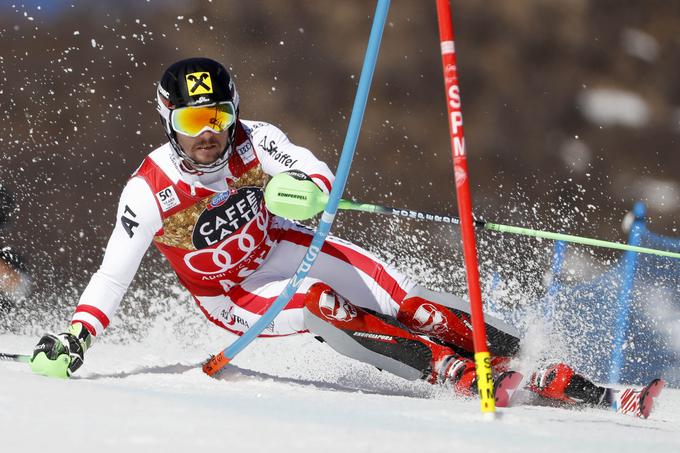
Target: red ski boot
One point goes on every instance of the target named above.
(552, 382)
(460, 373)
(561, 383)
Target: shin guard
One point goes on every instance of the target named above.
(444, 317)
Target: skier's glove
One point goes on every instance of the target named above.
(294, 195)
(61, 355)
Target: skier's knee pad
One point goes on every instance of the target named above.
(361, 335)
(326, 304)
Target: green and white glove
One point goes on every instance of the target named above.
(293, 195)
(61, 355)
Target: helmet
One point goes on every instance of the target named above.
(196, 82)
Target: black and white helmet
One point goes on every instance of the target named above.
(196, 82)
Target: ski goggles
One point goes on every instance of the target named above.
(192, 121)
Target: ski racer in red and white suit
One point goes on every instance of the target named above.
(199, 199)
(231, 253)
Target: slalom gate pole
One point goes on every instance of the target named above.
(460, 169)
(302, 200)
(629, 264)
(216, 363)
(15, 357)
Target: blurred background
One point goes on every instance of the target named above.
(571, 110)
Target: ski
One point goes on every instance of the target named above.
(638, 402)
(505, 386)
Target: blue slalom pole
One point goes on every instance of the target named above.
(216, 363)
(627, 278)
(555, 272)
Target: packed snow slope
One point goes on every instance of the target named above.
(285, 395)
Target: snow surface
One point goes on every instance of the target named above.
(284, 395)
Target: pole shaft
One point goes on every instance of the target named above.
(630, 263)
(15, 357)
(279, 198)
(577, 239)
(460, 168)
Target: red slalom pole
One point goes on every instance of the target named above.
(460, 168)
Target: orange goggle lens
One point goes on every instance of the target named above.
(192, 121)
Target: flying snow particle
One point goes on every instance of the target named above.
(93, 43)
(76, 33)
(576, 155)
(639, 44)
(609, 106)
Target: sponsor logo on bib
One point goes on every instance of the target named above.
(167, 198)
(226, 213)
(246, 151)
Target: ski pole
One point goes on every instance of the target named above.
(15, 357)
(301, 200)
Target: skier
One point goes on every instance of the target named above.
(199, 199)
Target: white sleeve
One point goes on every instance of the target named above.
(277, 154)
(137, 221)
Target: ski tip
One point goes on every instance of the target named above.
(647, 395)
(505, 387)
(656, 386)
